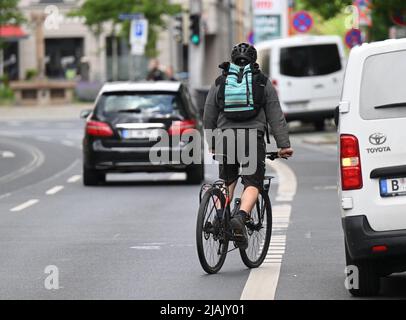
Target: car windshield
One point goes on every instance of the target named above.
(307, 61)
(165, 103)
(383, 93)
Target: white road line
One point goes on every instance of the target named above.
(74, 179)
(37, 160)
(24, 205)
(146, 247)
(54, 190)
(7, 154)
(262, 282)
(68, 143)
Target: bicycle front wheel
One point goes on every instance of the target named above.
(211, 240)
(259, 231)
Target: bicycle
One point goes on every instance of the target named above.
(217, 236)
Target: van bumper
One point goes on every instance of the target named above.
(361, 238)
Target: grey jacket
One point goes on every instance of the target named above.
(213, 118)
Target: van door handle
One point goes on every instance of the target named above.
(319, 86)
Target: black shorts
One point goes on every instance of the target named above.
(230, 172)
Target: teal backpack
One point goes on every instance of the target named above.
(242, 91)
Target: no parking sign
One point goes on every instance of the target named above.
(353, 38)
(302, 21)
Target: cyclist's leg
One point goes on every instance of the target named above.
(249, 198)
(253, 183)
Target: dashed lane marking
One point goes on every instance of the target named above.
(262, 282)
(54, 190)
(74, 179)
(7, 154)
(146, 247)
(24, 205)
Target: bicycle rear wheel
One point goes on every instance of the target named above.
(212, 242)
(259, 233)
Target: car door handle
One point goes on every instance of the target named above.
(319, 86)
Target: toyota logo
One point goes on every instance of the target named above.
(377, 139)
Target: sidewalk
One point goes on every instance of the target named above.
(57, 112)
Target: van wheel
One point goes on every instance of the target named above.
(195, 174)
(368, 277)
(92, 177)
(319, 125)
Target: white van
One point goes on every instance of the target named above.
(372, 174)
(307, 72)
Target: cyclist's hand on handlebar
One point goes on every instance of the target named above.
(285, 152)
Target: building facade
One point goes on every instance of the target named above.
(72, 50)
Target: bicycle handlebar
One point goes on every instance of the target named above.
(269, 155)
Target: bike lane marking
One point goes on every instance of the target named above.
(263, 281)
(24, 205)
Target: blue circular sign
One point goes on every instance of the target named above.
(353, 38)
(302, 21)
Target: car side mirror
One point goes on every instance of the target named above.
(337, 115)
(85, 113)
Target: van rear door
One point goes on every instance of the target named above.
(383, 146)
(311, 76)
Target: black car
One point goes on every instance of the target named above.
(128, 123)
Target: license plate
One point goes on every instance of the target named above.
(393, 187)
(140, 134)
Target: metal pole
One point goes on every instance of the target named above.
(230, 24)
(196, 53)
(1, 62)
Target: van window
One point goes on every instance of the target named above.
(264, 60)
(383, 92)
(308, 61)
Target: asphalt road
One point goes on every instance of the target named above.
(133, 238)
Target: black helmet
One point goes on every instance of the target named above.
(243, 54)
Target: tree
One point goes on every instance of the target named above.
(382, 11)
(98, 12)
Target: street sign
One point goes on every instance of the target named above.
(131, 16)
(270, 19)
(364, 9)
(353, 38)
(302, 21)
(399, 17)
(137, 49)
(139, 31)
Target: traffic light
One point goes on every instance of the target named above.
(178, 28)
(195, 29)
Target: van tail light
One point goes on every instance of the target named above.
(98, 129)
(180, 127)
(350, 161)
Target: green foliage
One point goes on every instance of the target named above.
(6, 94)
(98, 12)
(30, 74)
(9, 14)
(381, 12)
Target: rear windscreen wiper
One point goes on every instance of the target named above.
(392, 105)
(130, 110)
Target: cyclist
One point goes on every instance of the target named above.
(242, 80)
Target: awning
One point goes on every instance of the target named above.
(12, 33)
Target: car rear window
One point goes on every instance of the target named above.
(383, 90)
(144, 103)
(308, 61)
